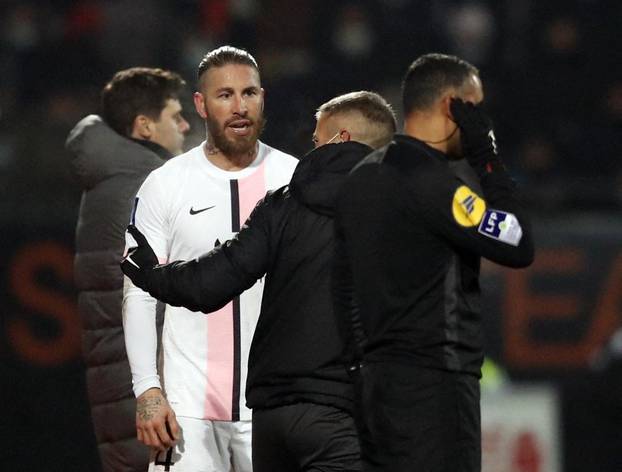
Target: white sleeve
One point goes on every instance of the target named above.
(139, 308)
(141, 337)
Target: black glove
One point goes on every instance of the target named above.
(140, 260)
(478, 138)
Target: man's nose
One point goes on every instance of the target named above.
(240, 105)
(184, 126)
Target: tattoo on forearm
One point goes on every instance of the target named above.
(147, 408)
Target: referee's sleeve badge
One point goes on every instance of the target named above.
(467, 207)
(502, 226)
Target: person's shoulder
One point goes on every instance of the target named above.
(276, 204)
(280, 194)
(372, 162)
(279, 166)
(407, 163)
(374, 157)
(411, 151)
(99, 153)
(167, 177)
(416, 159)
(277, 155)
(91, 135)
(178, 164)
(275, 198)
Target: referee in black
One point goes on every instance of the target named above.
(410, 238)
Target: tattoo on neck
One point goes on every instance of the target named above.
(211, 149)
(237, 160)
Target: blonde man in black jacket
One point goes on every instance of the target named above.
(298, 385)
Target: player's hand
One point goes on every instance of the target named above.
(156, 425)
(139, 260)
(478, 138)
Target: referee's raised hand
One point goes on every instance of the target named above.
(139, 259)
(479, 144)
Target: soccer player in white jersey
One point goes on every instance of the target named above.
(193, 413)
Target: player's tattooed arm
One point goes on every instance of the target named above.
(148, 407)
(156, 425)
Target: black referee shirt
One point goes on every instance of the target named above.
(410, 238)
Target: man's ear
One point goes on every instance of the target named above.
(142, 127)
(446, 105)
(199, 104)
(345, 135)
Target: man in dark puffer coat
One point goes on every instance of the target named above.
(141, 127)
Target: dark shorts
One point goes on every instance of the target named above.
(418, 419)
(304, 437)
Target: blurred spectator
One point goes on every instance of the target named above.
(353, 35)
(539, 158)
(470, 28)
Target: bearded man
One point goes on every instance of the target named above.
(191, 407)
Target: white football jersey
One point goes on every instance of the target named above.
(184, 209)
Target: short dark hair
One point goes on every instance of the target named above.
(429, 76)
(225, 55)
(377, 112)
(137, 91)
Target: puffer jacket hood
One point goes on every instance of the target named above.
(321, 172)
(100, 153)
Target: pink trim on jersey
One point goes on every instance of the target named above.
(220, 335)
(219, 395)
(251, 190)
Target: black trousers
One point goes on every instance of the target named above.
(304, 437)
(417, 419)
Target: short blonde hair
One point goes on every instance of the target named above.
(376, 124)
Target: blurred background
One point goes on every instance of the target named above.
(552, 71)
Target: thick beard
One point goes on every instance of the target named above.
(234, 147)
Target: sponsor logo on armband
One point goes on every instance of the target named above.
(467, 207)
(501, 226)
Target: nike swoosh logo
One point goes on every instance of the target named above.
(194, 212)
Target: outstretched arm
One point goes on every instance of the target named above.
(210, 281)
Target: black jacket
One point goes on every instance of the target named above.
(296, 352)
(110, 168)
(410, 235)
